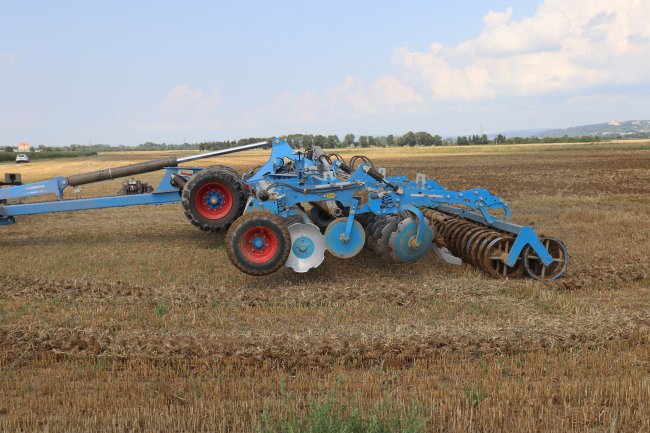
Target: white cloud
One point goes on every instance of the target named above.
(566, 49)
(185, 108)
(566, 45)
(351, 99)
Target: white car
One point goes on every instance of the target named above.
(21, 157)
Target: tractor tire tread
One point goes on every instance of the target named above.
(226, 175)
(267, 218)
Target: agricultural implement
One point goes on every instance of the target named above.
(298, 205)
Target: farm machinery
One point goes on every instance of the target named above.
(300, 204)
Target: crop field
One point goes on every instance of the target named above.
(131, 319)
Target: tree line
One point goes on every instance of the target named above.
(410, 139)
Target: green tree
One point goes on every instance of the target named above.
(320, 140)
(424, 138)
(9, 149)
(363, 141)
(333, 141)
(408, 139)
(390, 140)
(348, 141)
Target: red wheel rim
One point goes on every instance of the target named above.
(259, 244)
(213, 200)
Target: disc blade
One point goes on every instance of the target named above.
(307, 247)
(338, 244)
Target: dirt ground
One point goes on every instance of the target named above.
(131, 319)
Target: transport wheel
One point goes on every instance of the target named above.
(258, 243)
(214, 198)
(536, 269)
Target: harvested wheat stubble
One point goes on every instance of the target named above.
(103, 328)
(319, 348)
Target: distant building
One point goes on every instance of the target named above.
(23, 147)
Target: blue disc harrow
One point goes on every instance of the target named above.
(299, 204)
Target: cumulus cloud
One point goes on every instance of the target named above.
(351, 98)
(566, 48)
(566, 45)
(187, 108)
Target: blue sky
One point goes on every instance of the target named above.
(128, 72)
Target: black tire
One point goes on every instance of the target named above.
(267, 258)
(225, 182)
(223, 167)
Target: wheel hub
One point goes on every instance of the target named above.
(214, 199)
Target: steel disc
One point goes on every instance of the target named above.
(371, 239)
(307, 247)
(400, 248)
(382, 243)
(340, 247)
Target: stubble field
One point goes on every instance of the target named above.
(131, 319)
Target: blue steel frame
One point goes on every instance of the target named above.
(164, 193)
(364, 194)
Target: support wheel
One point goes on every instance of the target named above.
(258, 243)
(536, 268)
(214, 198)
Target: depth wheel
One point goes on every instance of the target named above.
(258, 243)
(536, 268)
(214, 198)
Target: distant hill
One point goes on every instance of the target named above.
(613, 129)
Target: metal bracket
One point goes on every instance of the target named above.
(420, 217)
(345, 237)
